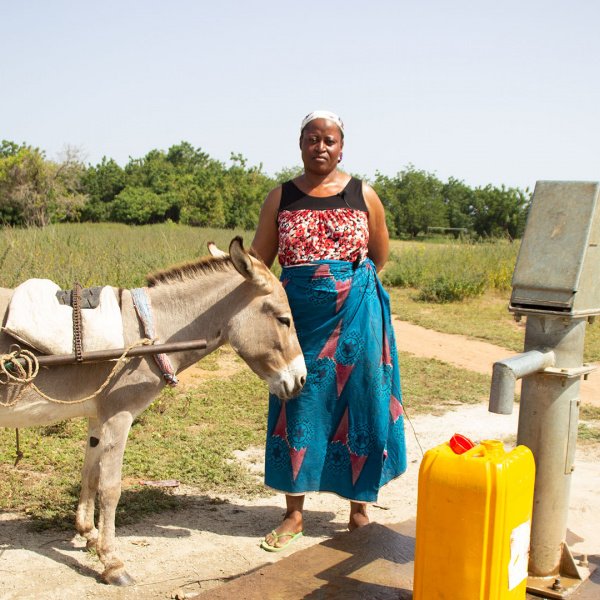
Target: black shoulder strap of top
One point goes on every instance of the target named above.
(289, 193)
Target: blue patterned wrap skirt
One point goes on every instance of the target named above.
(344, 432)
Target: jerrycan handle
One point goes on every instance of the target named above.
(487, 447)
(478, 450)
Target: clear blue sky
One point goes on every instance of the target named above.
(503, 92)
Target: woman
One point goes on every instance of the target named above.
(344, 433)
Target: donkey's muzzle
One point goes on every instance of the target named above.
(288, 382)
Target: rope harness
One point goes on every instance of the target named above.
(24, 376)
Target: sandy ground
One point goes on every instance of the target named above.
(178, 554)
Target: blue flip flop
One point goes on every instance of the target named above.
(293, 536)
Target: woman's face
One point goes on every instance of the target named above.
(321, 143)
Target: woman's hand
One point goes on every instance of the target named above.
(379, 239)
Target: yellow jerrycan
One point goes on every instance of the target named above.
(473, 522)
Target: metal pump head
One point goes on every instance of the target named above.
(558, 268)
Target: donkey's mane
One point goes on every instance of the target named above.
(189, 270)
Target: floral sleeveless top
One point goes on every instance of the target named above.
(329, 228)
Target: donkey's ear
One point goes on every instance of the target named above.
(214, 251)
(249, 267)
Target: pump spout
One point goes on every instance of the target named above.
(505, 375)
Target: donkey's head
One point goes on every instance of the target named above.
(262, 332)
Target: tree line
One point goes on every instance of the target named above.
(185, 185)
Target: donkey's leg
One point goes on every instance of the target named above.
(112, 441)
(90, 474)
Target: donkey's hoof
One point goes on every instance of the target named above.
(118, 577)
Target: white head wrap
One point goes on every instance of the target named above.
(322, 114)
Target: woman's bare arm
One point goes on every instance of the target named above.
(266, 238)
(379, 239)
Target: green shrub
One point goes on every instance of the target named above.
(446, 288)
(452, 272)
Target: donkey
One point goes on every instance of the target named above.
(224, 298)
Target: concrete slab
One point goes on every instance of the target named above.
(372, 563)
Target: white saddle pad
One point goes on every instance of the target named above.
(36, 318)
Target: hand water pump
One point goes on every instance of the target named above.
(556, 285)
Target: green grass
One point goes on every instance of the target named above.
(587, 412)
(212, 361)
(102, 254)
(589, 429)
(432, 386)
(588, 434)
(191, 435)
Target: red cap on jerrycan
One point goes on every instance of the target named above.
(460, 444)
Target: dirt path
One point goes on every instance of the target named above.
(179, 554)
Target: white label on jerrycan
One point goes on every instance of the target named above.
(519, 554)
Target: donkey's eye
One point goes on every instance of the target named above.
(284, 321)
